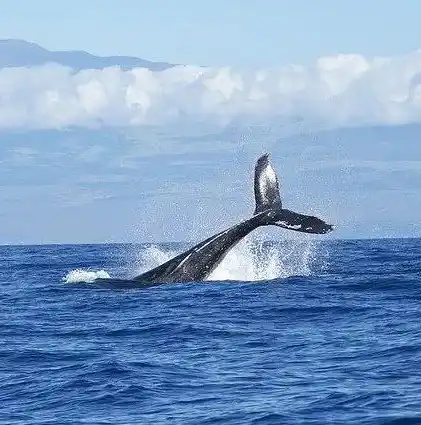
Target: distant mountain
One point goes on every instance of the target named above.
(22, 53)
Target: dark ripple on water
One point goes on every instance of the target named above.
(342, 345)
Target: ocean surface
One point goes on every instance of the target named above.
(298, 332)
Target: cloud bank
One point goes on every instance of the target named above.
(343, 90)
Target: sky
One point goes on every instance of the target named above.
(109, 155)
(245, 33)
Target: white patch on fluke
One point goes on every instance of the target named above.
(270, 174)
(86, 276)
(267, 181)
(290, 226)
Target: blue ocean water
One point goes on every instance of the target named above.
(336, 339)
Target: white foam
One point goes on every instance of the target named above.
(87, 276)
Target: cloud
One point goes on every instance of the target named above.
(343, 90)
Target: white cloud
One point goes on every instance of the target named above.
(337, 91)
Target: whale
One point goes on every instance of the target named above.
(198, 262)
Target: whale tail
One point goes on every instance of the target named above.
(269, 203)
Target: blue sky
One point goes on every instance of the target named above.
(218, 32)
(134, 155)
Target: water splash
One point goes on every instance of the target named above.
(150, 257)
(256, 259)
(86, 276)
(253, 259)
(250, 260)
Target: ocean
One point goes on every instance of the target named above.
(302, 331)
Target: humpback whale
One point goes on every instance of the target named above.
(197, 263)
